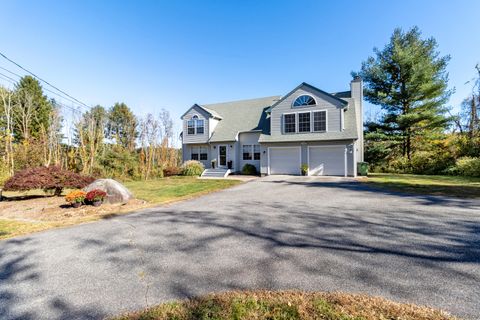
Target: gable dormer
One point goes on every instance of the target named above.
(198, 124)
(307, 110)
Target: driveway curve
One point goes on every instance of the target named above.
(272, 233)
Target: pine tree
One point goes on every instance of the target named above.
(122, 126)
(32, 107)
(408, 79)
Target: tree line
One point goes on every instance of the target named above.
(417, 132)
(111, 142)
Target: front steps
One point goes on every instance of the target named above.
(215, 173)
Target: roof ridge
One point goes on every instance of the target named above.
(242, 100)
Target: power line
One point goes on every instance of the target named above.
(33, 74)
(8, 78)
(11, 80)
(14, 82)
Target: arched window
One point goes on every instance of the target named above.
(195, 117)
(304, 100)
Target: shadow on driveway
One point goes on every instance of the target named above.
(269, 233)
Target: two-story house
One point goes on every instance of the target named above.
(279, 134)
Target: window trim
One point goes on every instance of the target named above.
(259, 152)
(196, 126)
(297, 127)
(249, 148)
(307, 105)
(326, 121)
(190, 127)
(198, 153)
(342, 119)
(309, 121)
(252, 152)
(283, 122)
(195, 118)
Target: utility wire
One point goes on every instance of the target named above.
(53, 92)
(33, 74)
(11, 80)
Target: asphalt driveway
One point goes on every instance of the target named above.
(273, 233)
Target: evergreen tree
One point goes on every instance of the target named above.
(408, 80)
(32, 107)
(122, 126)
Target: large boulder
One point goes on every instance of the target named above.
(116, 192)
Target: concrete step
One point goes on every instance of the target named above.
(215, 173)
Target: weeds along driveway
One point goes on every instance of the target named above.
(273, 233)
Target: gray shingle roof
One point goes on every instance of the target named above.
(349, 133)
(342, 94)
(239, 116)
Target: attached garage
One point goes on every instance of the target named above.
(284, 160)
(327, 160)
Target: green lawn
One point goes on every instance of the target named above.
(463, 187)
(286, 305)
(176, 188)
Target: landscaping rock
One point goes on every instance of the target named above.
(116, 192)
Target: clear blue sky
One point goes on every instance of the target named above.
(153, 54)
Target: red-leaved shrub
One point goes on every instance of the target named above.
(51, 178)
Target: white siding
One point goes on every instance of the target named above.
(248, 138)
(212, 123)
(356, 87)
(324, 102)
(196, 138)
(187, 153)
(231, 153)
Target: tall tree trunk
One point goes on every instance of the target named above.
(409, 145)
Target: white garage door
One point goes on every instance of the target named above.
(284, 160)
(326, 160)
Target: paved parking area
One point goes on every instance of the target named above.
(275, 233)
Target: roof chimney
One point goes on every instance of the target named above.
(356, 89)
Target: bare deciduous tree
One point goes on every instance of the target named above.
(7, 103)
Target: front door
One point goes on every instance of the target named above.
(222, 156)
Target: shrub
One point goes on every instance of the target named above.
(249, 169)
(304, 169)
(468, 166)
(95, 195)
(192, 168)
(172, 171)
(76, 196)
(428, 162)
(51, 178)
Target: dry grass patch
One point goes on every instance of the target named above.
(26, 212)
(275, 305)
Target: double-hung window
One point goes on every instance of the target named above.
(195, 153)
(289, 123)
(247, 152)
(203, 153)
(256, 152)
(304, 122)
(251, 152)
(195, 126)
(199, 124)
(191, 126)
(307, 121)
(319, 121)
(199, 153)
